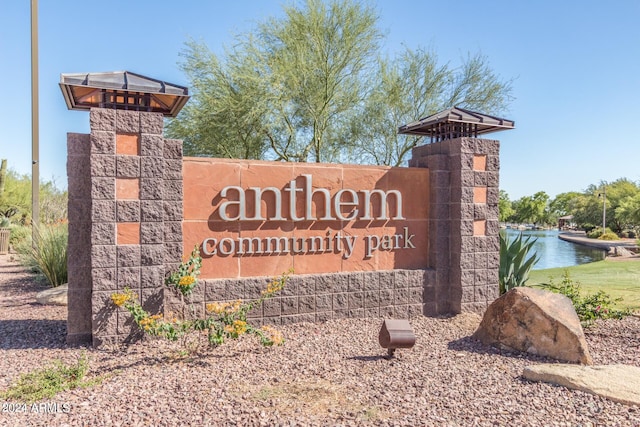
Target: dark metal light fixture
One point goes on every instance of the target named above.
(396, 333)
(122, 90)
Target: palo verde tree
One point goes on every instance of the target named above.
(416, 85)
(310, 87)
(283, 89)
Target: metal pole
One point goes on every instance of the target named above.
(604, 207)
(35, 137)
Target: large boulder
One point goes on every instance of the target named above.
(53, 296)
(535, 321)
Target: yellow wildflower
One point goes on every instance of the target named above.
(240, 326)
(186, 281)
(274, 286)
(229, 329)
(119, 299)
(217, 308)
(274, 335)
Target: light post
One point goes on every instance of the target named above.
(604, 205)
(35, 130)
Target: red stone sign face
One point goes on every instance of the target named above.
(254, 218)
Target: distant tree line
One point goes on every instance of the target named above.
(619, 199)
(15, 198)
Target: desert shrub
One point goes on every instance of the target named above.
(588, 307)
(45, 383)
(49, 255)
(597, 233)
(516, 261)
(609, 236)
(19, 234)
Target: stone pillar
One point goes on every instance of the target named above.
(119, 204)
(463, 231)
(79, 247)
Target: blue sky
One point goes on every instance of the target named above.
(575, 65)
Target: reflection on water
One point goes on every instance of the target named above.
(554, 252)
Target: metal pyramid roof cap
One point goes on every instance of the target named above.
(478, 123)
(83, 91)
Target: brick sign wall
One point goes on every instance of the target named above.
(363, 241)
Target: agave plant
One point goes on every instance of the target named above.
(516, 261)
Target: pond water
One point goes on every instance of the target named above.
(554, 252)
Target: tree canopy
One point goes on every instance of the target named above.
(311, 86)
(620, 201)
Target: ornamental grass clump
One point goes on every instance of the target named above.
(48, 256)
(222, 320)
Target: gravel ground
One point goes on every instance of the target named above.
(325, 374)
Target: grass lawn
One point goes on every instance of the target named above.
(618, 278)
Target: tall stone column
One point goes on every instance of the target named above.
(122, 220)
(463, 232)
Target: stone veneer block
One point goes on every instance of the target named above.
(127, 166)
(172, 169)
(102, 119)
(152, 167)
(102, 165)
(152, 145)
(172, 149)
(151, 189)
(150, 233)
(151, 210)
(173, 231)
(103, 188)
(78, 144)
(103, 233)
(128, 233)
(128, 143)
(152, 123)
(103, 142)
(127, 188)
(151, 255)
(127, 121)
(128, 211)
(128, 256)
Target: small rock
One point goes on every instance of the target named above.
(620, 383)
(537, 322)
(53, 296)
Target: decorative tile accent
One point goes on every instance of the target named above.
(127, 188)
(127, 143)
(480, 227)
(480, 195)
(480, 162)
(128, 233)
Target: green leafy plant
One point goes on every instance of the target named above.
(588, 307)
(597, 233)
(185, 278)
(47, 382)
(222, 320)
(48, 256)
(516, 261)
